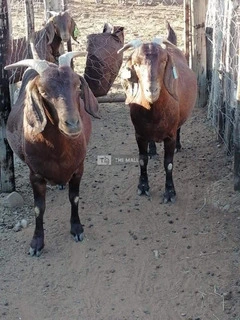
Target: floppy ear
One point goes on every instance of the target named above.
(129, 81)
(33, 112)
(170, 77)
(74, 31)
(50, 30)
(90, 101)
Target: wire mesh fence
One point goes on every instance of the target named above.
(222, 31)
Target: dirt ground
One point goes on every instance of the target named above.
(141, 259)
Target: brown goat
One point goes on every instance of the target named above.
(49, 128)
(161, 91)
(172, 37)
(59, 27)
(103, 62)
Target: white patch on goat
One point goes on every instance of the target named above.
(170, 166)
(37, 211)
(141, 162)
(76, 199)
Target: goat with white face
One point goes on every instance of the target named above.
(49, 128)
(161, 91)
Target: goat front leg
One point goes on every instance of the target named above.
(143, 187)
(39, 193)
(169, 148)
(76, 226)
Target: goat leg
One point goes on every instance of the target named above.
(143, 187)
(169, 148)
(39, 193)
(178, 143)
(152, 149)
(76, 226)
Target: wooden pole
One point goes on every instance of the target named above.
(236, 169)
(7, 181)
(187, 30)
(199, 59)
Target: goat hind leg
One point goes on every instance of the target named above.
(76, 226)
(143, 187)
(169, 147)
(178, 143)
(39, 193)
(152, 149)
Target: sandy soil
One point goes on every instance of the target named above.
(141, 259)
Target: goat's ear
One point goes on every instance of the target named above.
(90, 101)
(170, 78)
(74, 30)
(50, 30)
(129, 81)
(34, 112)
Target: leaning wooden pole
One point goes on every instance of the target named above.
(199, 59)
(237, 135)
(7, 181)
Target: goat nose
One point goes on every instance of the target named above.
(72, 123)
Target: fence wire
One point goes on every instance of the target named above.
(222, 30)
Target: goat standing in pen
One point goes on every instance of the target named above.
(49, 128)
(59, 28)
(161, 91)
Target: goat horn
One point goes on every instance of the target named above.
(66, 58)
(38, 65)
(132, 44)
(160, 41)
(169, 43)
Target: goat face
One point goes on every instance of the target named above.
(152, 67)
(64, 26)
(58, 90)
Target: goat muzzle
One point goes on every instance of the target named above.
(70, 127)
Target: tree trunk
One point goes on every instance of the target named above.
(7, 181)
(199, 58)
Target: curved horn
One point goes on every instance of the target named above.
(132, 44)
(37, 65)
(66, 58)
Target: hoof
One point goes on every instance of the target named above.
(36, 246)
(169, 196)
(77, 232)
(78, 237)
(143, 190)
(34, 252)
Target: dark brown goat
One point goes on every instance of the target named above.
(161, 92)
(103, 62)
(49, 128)
(59, 27)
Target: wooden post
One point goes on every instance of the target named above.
(53, 5)
(29, 14)
(187, 28)
(237, 128)
(199, 59)
(7, 181)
